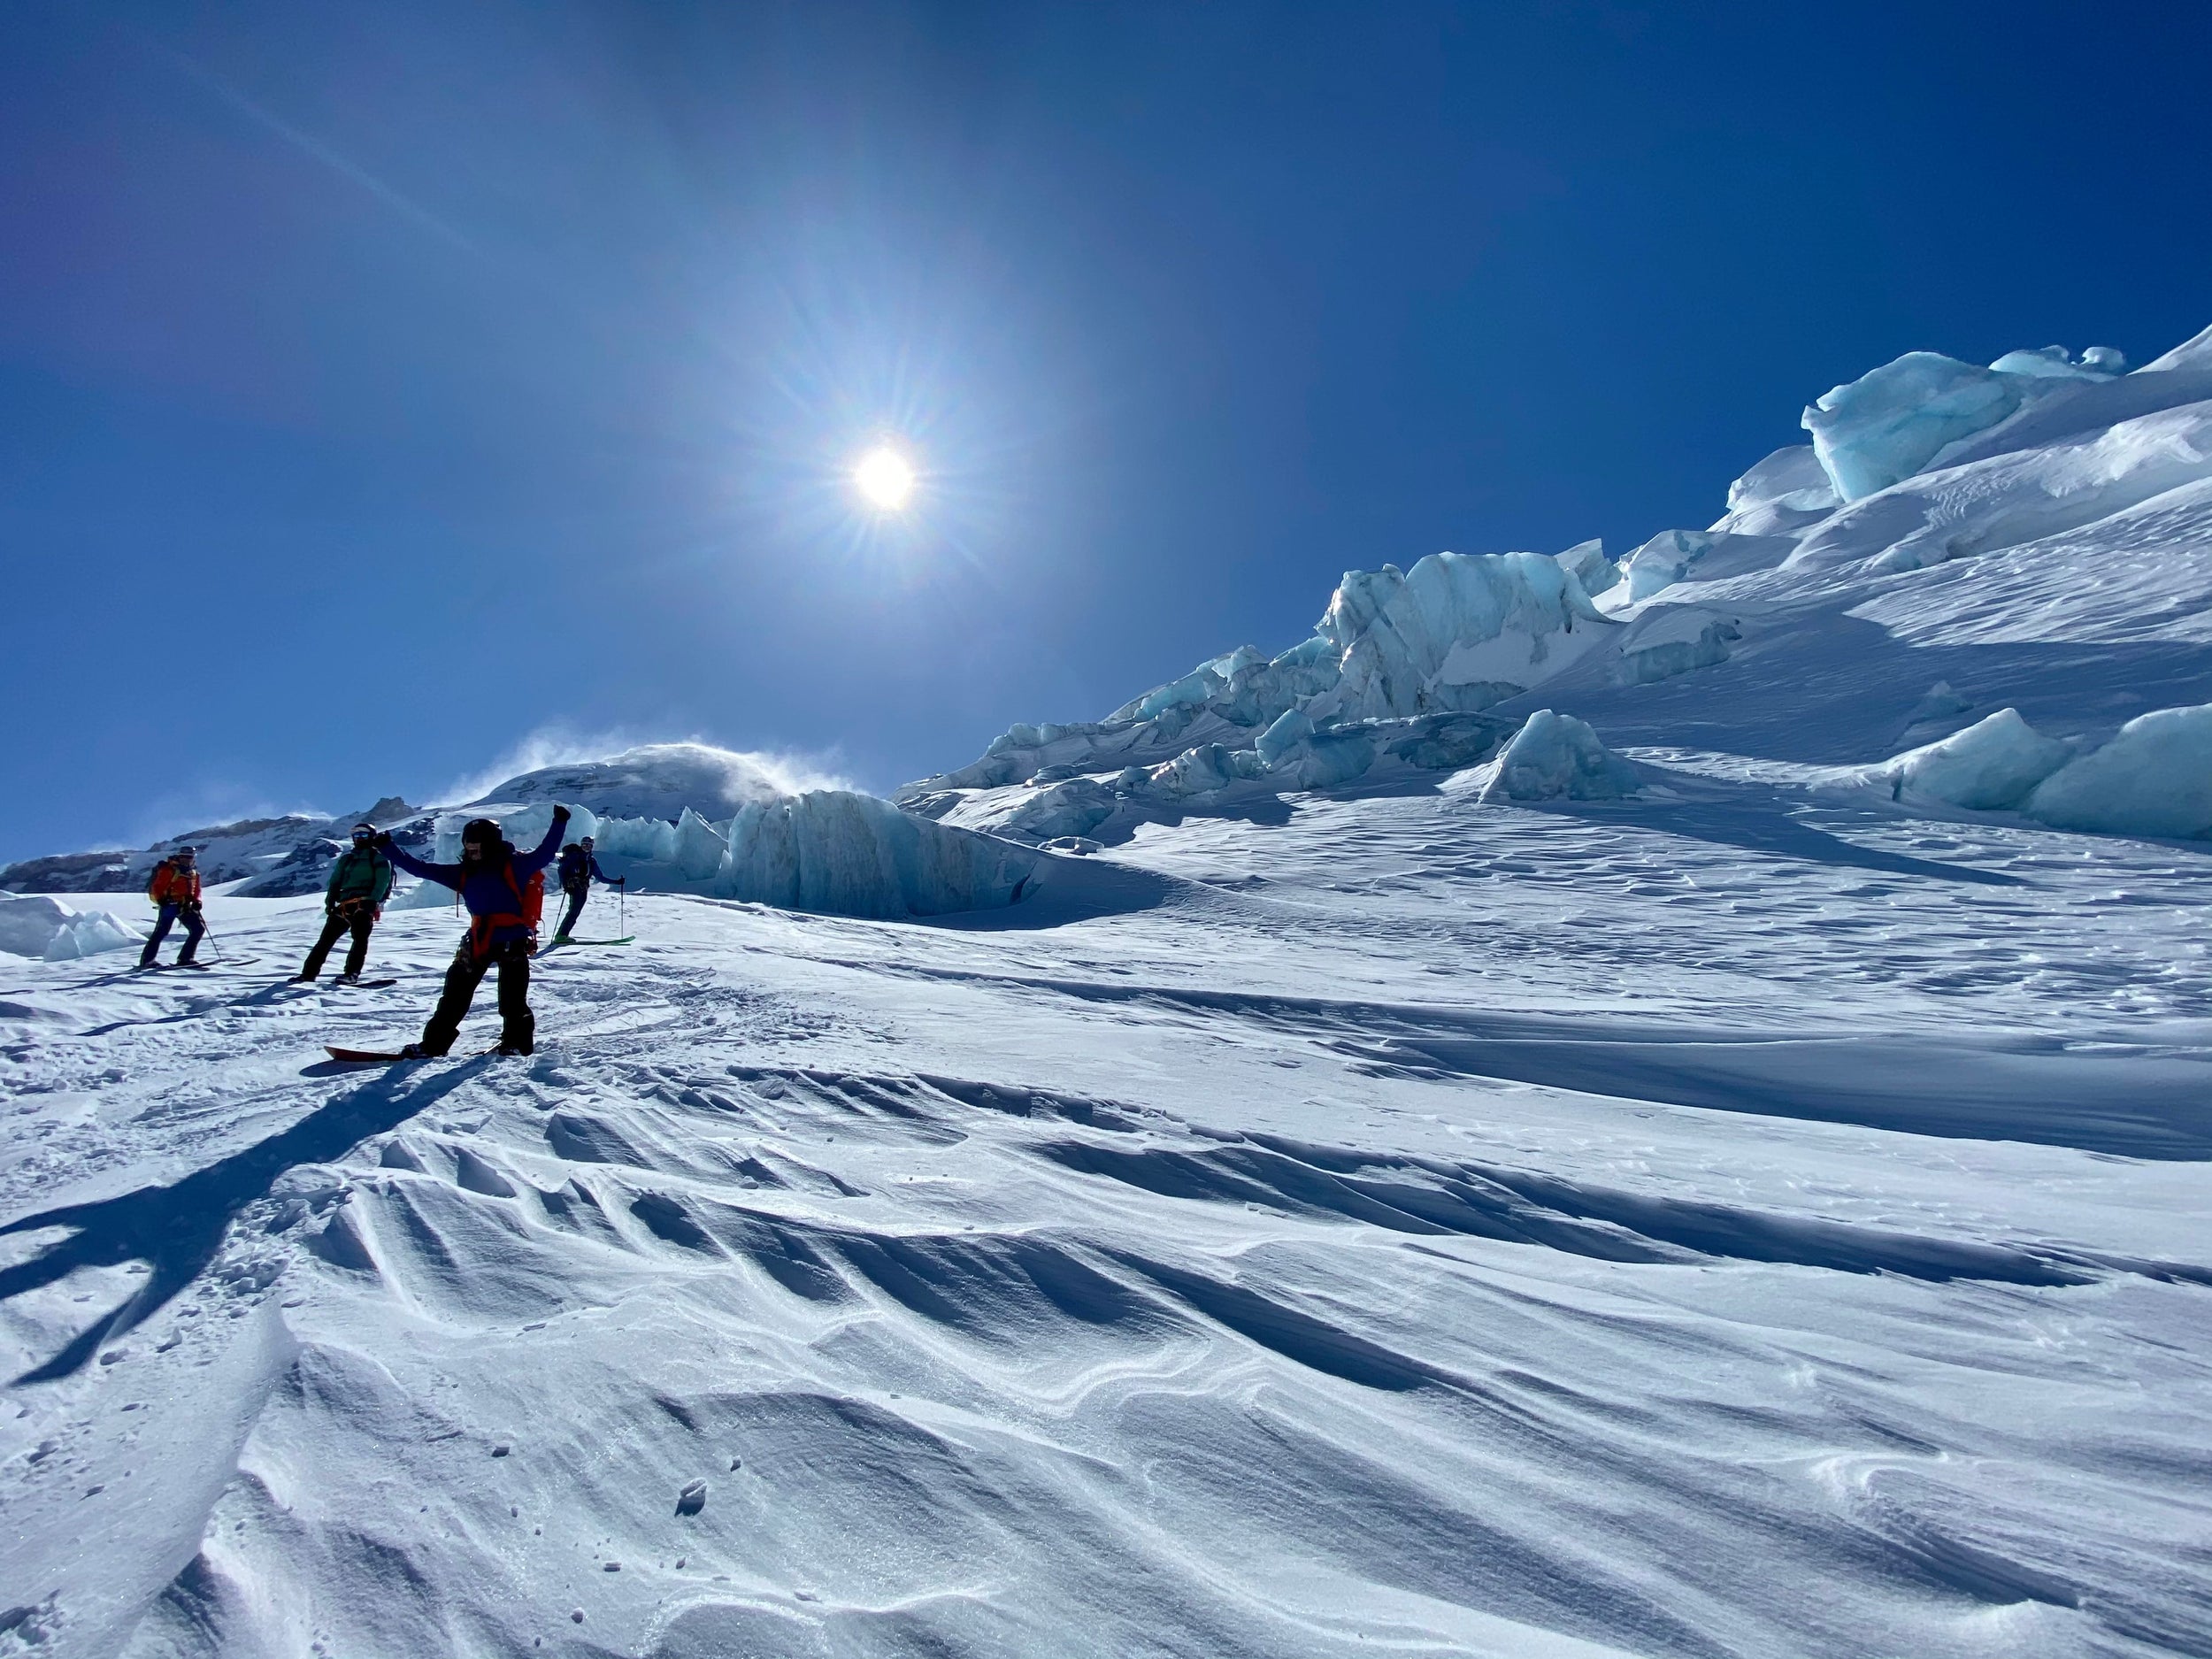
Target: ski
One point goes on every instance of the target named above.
(362, 985)
(626, 939)
(369, 1057)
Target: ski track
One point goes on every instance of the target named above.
(1398, 1230)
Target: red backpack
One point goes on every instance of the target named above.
(529, 910)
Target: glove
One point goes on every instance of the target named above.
(383, 840)
(560, 813)
(622, 881)
(376, 913)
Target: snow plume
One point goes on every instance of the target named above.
(744, 775)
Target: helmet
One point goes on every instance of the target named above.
(481, 832)
(585, 843)
(185, 852)
(364, 831)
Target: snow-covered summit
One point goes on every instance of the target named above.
(654, 781)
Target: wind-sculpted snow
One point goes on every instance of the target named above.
(1365, 1245)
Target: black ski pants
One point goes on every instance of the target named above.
(576, 897)
(517, 1025)
(360, 916)
(194, 926)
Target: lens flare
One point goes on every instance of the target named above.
(885, 478)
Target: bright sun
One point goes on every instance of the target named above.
(884, 478)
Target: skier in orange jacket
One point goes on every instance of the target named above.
(175, 887)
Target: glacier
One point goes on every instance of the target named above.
(836, 851)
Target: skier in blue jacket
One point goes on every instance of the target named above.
(579, 868)
(494, 881)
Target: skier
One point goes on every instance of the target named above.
(578, 870)
(175, 888)
(360, 881)
(494, 881)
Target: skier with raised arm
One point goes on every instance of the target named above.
(502, 889)
(360, 881)
(579, 868)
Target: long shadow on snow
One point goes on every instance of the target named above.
(1524, 1208)
(1815, 684)
(2127, 1105)
(1761, 820)
(1068, 889)
(176, 1229)
(1980, 1086)
(1819, 687)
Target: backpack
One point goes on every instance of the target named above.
(529, 908)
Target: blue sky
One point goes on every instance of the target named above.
(379, 385)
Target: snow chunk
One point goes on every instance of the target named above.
(1586, 563)
(1785, 493)
(1675, 638)
(33, 924)
(1556, 757)
(2155, 778)
(2099, 363)
(1989, 767)
(1891, 421)
(1676, 556)
(1069, 810)
(1455, 632)
(1792, 476)
(1665, 560)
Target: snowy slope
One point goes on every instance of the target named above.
(1678, 1159)
(1475, 1228)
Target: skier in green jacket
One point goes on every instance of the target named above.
(360, 881)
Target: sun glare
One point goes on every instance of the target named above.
(885, 478)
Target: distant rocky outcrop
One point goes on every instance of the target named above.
(276, 856)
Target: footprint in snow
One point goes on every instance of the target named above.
(692, 1498)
